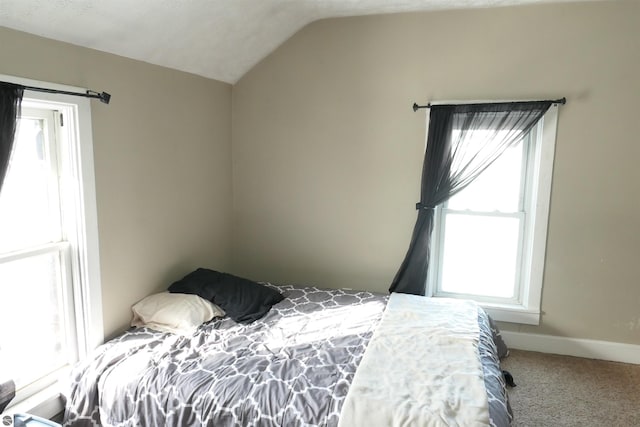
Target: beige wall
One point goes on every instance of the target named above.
(327, 152)
(162, 161)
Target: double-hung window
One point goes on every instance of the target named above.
(50, 309)
(489, 239)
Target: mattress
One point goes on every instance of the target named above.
(292, 367)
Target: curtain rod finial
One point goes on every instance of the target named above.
(416, 107)
(105, 97)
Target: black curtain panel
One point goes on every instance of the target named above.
(10, 102)
(463, 140)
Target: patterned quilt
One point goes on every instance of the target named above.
(293, 367)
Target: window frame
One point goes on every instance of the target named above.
(524, 202)
(525, 307)
(80, 259)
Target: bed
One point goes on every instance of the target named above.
(296, 365)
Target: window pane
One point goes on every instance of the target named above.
(480, 254)
(32, 337)
(497, 188)
(28, 214)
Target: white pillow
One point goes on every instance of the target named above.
(176, 313)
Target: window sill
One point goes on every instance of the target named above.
(512, 313)
(46, 403)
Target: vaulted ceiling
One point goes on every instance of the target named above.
(219, 39)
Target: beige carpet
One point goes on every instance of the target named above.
(557, 390)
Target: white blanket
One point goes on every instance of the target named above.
(421, 368)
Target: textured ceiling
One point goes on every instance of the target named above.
(219, 39)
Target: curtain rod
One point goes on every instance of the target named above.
(562, 101)
(102, 96)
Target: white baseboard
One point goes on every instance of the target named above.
(590, 349)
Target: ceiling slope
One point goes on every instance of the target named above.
(218, 39)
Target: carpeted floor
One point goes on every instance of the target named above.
(555, 390)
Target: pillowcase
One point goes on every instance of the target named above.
(243, 300)
(175, 313)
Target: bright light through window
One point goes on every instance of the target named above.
(499, 188)
(480, 255)
(29, 202)
(32, 339)
(481, 230)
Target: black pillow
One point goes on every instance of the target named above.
(243, 300)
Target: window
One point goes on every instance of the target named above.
(489, 239)
(50, 307)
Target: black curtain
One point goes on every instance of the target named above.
(10, 102)
(463, 140)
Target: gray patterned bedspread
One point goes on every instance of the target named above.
(293, 367)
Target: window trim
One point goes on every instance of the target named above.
(87, 290)
(528, 309)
